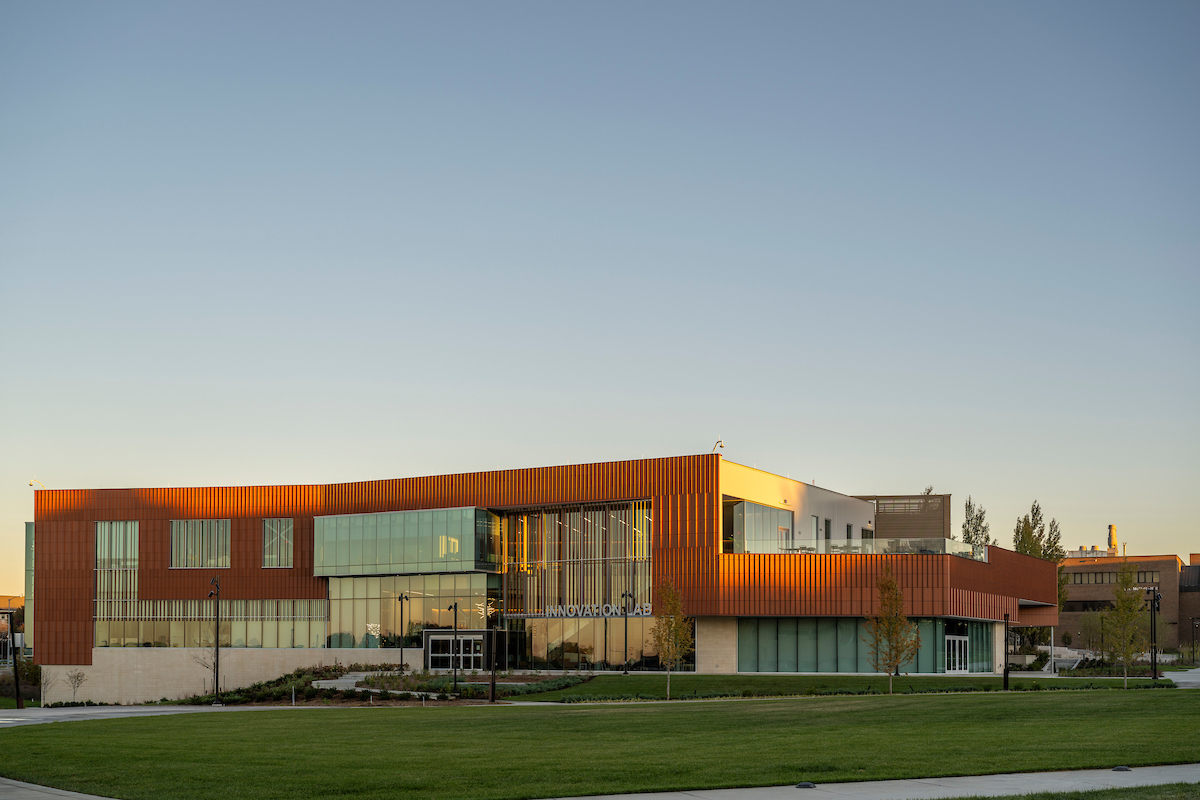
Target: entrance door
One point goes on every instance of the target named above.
(956, 654)
(468, 656)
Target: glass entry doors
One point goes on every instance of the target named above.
(468, 655)
(956, 654)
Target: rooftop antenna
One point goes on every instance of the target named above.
(39, 483)
(720, 443)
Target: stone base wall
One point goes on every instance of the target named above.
(716, 645)
(130, 675)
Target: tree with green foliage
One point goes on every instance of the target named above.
(1032, 538)
(672, 631)
(975, 527)
(891, 639)
(1125, 634)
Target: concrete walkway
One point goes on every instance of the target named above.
(1187, 679)
(932, 788)
(11, 718)
(915, 789)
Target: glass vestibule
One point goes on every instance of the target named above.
(446, 649)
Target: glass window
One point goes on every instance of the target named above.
(356, 539)
(200, 544)
(754, 528)
(370, 524)
(277, 543)
(117, 545)
(413, 541)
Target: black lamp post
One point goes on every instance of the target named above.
(625, 598)
(1194, 641)
(454, 648)
(1006, 652)
(216, 641)
(1153, 597)
(12, 652)
(402, 599)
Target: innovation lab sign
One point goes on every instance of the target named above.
(595, 610)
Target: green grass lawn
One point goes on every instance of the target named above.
(8, 702)
(785, 685)
(564, 750)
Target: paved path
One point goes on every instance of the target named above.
(1188, 679)
(11, 718)
(931, 788)
(916, 789)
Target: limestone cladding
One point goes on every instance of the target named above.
(128, 675)
(716, 645)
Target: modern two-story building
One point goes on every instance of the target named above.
(563, 562)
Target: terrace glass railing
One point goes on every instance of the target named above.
(917, 547)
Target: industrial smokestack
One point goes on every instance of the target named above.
(1112, 539)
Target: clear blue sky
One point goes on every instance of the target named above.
(878, 245)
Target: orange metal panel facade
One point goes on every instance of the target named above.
(683, 491)
(686, 498)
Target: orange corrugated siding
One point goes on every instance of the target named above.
(683, 490)
(844, 585)
(686, 500)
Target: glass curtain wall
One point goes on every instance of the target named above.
(393, 610)
(189, 623)
(839, 644)
(575, 556)
(437, 540)
(570, 575)
(753, 528)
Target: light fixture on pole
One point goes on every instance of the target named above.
(454, 648)
(625, 598)
(216, 640)
(12, 652)
(1006, 652)
(402, 599)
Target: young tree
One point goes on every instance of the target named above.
(1091, 630)
(75, 679)
(672, 632)
(1125, 623)
(891, 639)
(975, 528)
(48, 679)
